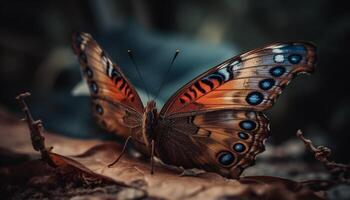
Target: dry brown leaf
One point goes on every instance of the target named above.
(89, 159)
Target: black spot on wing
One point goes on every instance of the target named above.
(229, 70)
(209, 83)
(89, 72)
(116, 76)
(217, 76)
(198, 86)
(188, 96)
(182, 101)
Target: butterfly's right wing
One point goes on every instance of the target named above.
(223, 141)
(215, 121)
(116, 104)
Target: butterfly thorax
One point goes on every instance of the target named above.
(149, 121)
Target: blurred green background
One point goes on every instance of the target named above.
(36, 55)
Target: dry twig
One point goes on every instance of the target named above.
(338, 171)
(36, 128)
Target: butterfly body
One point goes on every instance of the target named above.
(149, 122)
(215, 122)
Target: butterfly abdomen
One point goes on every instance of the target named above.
(149, 120)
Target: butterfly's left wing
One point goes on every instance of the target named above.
(115, 103)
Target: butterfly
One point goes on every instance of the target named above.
(214, 123)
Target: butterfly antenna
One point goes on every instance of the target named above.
(167, 73)
(138, 72)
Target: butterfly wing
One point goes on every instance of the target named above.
(115, 103)
(223, 141)
(251, 81)
(215, 121)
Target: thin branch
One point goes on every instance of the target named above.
(36, 129)
(340, 172)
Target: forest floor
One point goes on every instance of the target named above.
(77, 169)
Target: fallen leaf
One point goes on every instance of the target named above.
(84, 162)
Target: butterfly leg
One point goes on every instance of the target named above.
(152, 157)
(122, 153)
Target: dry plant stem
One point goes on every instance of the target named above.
(340, 172)
(36, 128)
